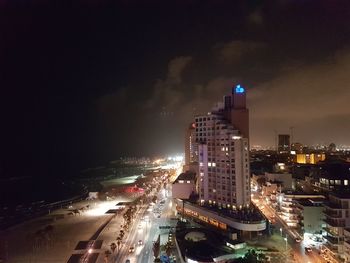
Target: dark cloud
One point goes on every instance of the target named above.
(236, 50)
(85, 85)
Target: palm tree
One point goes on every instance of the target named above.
(119, 241)
(113, 246)
(168, 248)
(156, 248)
(107, 254)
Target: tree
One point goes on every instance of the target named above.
(113, 246)
(168, 246)
(252, 257)
(118, 243)
(261, 181)
(156, 248)
(107, 254)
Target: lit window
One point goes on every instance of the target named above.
(200, 164)
(346, 182)
(188, 182)
(214, 164)
(209, 164)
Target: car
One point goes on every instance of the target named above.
(140, 242)
(308, 249)
(131, 249)
(298, 240)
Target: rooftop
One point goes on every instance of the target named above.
(205, 249)
(244, 215)
(186, 176)
(311, 202)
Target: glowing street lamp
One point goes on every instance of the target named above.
(286, 239)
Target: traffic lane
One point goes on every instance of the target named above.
(131, 234)
(146, 254)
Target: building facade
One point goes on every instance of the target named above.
(222, 137)
(337, 220)
(184, 185)
(283, 143)
(191, 151)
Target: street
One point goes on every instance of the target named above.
(295, 251)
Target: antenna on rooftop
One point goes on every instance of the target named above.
(291, 134)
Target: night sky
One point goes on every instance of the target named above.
(88, 82)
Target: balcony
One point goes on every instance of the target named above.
(347, 243)
(330, 213)
(330, 231)
(335, 223)
(332, 206)
(333, 240)
(347, 232)
(331, 247)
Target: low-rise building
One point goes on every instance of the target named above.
(309, 158)
(332, 176)
(310, 215)
(294, 208)
(184, 185)
(285, 179)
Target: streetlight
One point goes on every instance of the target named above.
(286, 239)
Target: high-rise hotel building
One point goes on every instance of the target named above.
(222, 138)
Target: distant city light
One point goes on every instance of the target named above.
(239, 89)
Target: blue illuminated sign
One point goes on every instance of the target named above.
(239, 89)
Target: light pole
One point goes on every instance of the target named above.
(286, 239)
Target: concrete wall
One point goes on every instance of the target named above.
(313, 219)
(182, 190)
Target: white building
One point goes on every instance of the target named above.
(184, 185)
(223, 152)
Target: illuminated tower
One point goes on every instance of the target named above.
(222, 136)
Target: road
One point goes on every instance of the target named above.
(295, 251)
(146, 228)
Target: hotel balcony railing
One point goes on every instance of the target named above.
(331, 247)
(331, 214)
(347, 243)
(333, 206)
(347, 232)
(334, 223)
(330, 232)
(333, 240)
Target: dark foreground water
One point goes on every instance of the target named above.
(25, 198)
